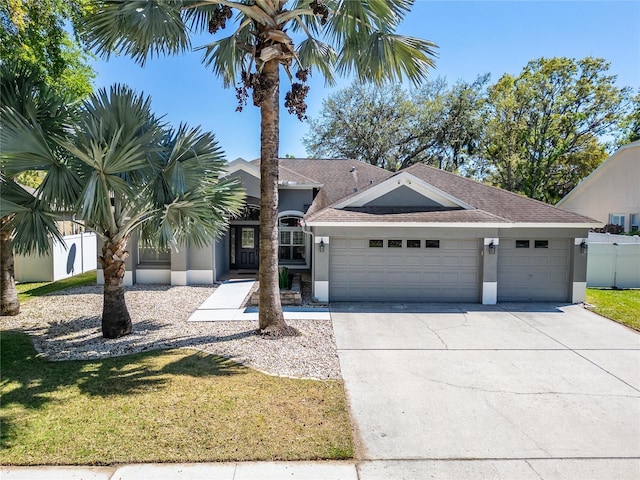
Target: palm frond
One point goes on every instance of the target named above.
(387, 57)
(32, 223)
(23, 88)
(25, 145)
(227, 56)
(316, 54)
(140, 29)
(191, 154)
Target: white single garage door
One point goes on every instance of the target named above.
(409, 270)
(533, 270)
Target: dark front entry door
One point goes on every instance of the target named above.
(248, 247)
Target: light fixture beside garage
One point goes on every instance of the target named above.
(584, 246)
(492, 248)
(322, 245)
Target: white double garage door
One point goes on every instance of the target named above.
(449, 271)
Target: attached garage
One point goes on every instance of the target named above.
(532, 269)
(405, 269)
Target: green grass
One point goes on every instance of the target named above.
(164, 406)
(27, 291)
(620, 305)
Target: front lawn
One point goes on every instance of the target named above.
(27, 291)
(162, 406)
(620, 305)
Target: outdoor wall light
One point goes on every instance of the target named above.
(492, 248)
(322, 245)
(584, 247)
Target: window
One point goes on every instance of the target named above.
(522, 243)
(292, 248)
(634, 223)
(617, 219)
(541, 244)
(414, 243)
(376, 244)
(250, 212)
(432, 243)
(152, 256)
(248, 238)
(289, 221)
(394, 243)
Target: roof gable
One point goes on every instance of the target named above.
(240, 164)
(465, 202)
(623, 163)
(404, 187)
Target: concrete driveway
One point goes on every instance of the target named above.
(514, 391)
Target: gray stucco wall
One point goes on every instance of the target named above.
(297, 199)
(200, 258)
(403, 196)
(405, 232)
(251, 184)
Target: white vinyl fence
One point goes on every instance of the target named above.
(79, 256)
(613, 261)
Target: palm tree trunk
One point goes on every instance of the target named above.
(9, 304)
(116, 321)
(271, 319)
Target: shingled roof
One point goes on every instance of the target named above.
(339, 177)
(489, 205)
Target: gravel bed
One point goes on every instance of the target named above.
(66, 326)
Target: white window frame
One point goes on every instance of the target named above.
(634, 222)
(152, 256)
(305, 240)
(616, 218)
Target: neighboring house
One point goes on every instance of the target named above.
(611, 193)
(367, 234)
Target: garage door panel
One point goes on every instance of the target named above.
(534, 274)
(374, 261)
(451, 261)
(448, 273)
(395, 261)
(429, 260)
(395, 277)
(413, 277)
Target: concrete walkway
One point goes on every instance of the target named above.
(198, 471)
(225, 304)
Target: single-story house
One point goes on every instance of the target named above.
(367, 234)
(611, 193)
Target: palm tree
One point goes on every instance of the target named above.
(130, 173)
(34, 102)
(358, 38)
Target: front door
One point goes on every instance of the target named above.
(248, 247)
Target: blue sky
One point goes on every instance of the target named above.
(474, 37)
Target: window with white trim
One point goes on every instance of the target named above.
(153, 256)
(634, 222)
(292, 248)
(617, 219)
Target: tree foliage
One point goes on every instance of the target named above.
(117, 168)
(630, 125)
(545, 124)
(377, 125)
(297, 37)
(36, 33)
(538, 133)
(393, 128)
